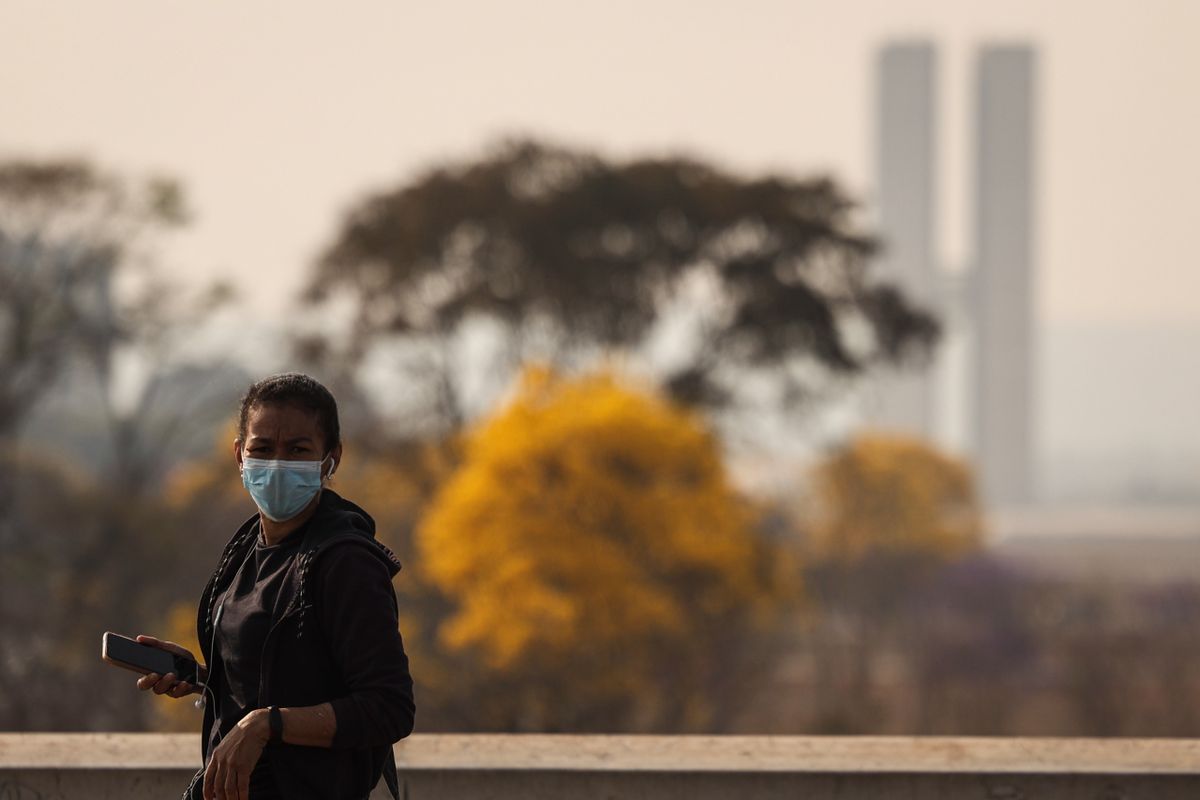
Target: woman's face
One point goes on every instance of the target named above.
(284, 433)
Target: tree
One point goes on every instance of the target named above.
(885, 512)
(569, 252)
(892, 493)
(65, 227)
(69, 232)
(600, 564)
(78, 546)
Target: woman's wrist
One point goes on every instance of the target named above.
(257, 724)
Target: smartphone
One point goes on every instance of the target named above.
(130, 654)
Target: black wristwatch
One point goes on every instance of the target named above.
(276, 720)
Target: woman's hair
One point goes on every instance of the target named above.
(297, 390)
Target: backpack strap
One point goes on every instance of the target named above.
(389, 774)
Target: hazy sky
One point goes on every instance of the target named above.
(277, 116)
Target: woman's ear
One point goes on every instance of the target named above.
(237, 453)
(336, 455)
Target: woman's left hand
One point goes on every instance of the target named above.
(228, 773)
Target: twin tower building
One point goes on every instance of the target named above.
(993, 298)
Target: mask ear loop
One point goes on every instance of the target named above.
(332, 468)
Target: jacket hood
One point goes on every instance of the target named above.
(338, 519)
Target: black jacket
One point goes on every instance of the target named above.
(336, 641)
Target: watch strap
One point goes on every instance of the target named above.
(276, 719)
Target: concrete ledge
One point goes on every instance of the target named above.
(552, 766)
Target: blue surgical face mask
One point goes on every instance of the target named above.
(282, 489)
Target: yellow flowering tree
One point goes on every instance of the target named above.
(602, 568)
(885, 512)
(892, 493)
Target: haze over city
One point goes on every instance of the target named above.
(275, 121)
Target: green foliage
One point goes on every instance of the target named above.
(533, 235)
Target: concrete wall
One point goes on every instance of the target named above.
(448, 767)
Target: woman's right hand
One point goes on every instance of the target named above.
(167, 684)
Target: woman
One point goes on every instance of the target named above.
(306, 677)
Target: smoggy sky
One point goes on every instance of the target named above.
(276, 116)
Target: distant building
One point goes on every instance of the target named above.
(999, 303)
(906, 147)
(1002, 306)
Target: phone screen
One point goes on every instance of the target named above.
(151, 659)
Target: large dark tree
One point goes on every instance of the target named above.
(592, 251)
(64, 227)
(83, 550)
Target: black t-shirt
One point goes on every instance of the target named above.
(249, 607)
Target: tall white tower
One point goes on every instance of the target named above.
(1002, 302)
(998, 305)
(906, 146)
